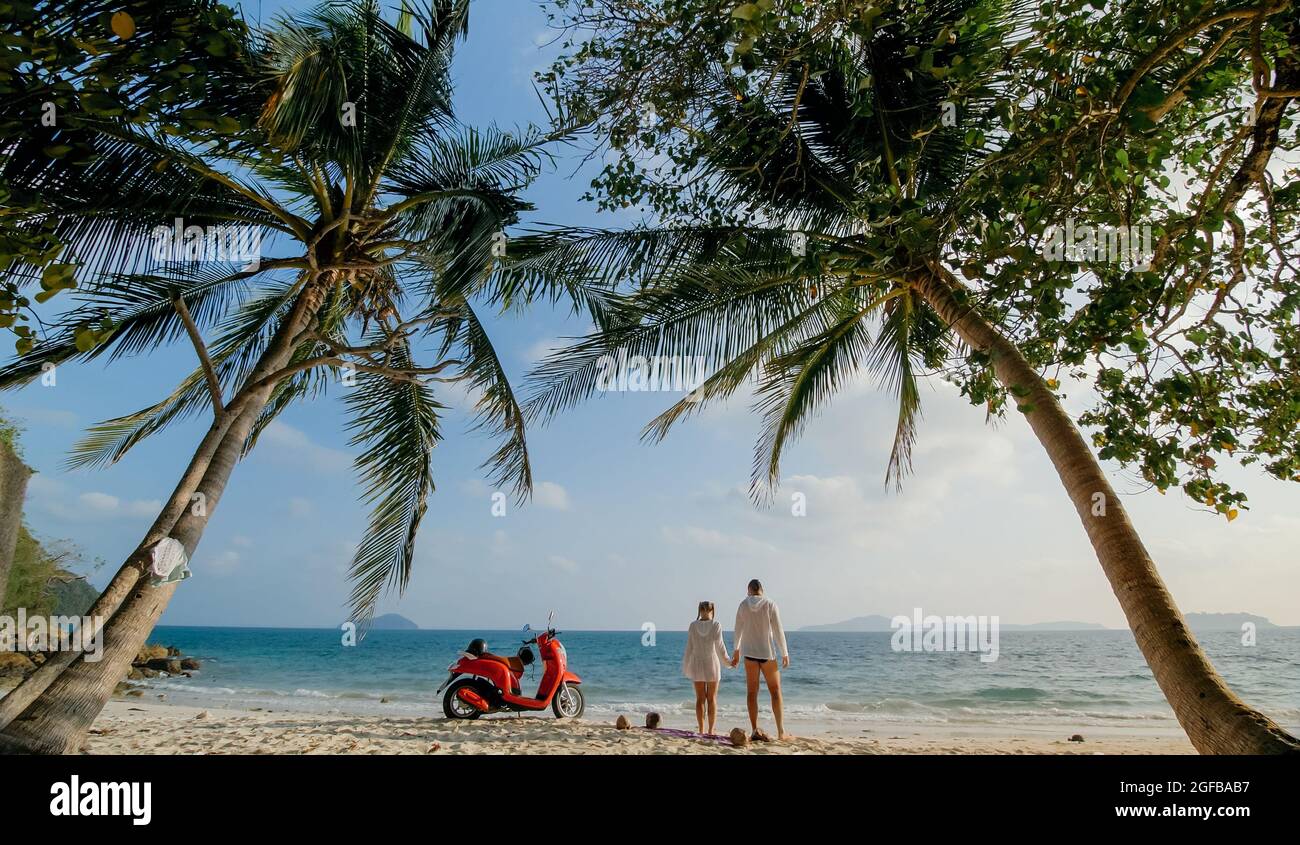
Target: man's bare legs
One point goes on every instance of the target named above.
(751, 694)
(772, 676)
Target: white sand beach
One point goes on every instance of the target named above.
(132, 726)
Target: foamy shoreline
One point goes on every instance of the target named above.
(135, 726)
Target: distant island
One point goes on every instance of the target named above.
(1197, 621)
(393, 622)
(1225, 621)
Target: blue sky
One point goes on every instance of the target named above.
(620, 532)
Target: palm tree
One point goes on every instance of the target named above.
(864, 175)
(388, 211)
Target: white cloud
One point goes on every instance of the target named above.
(97, 503)
(284, 443)
(548, 494)
(719, 542)
(562, 563)
(223, 564)
(541, 348)
(100, 501)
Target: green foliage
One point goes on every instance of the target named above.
(387, 212)
(65, 64)
(29, 577)
(902, 136)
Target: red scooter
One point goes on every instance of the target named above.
(481, 682)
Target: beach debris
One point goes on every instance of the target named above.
(738, 738)
(1077, 738)
(202, 715)
(383, 700)
(437, 746)
(135, 693)
(652, 721)
(622, 723)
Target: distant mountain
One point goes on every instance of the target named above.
(1225, 621)
(855, 625)
(392, 622)
(867, 624)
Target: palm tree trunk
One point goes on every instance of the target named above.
(124, 581)
(58, 720)
(1214, 718)
(57, 711)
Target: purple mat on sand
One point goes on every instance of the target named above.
(721, 740)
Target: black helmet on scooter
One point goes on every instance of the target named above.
(526, 655)
(477, 647)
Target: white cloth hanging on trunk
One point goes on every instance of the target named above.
(168, 561)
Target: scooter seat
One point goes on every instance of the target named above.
(514, 664)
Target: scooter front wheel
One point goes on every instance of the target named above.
(568, 702)
(455, 707)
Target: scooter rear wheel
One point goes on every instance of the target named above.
(453, 707)
(568, 702)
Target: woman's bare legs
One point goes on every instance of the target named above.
(701, 699)
(711, 689)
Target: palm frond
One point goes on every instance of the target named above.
(497, 410)
(139, 308)
(396, 425)
(797, 383)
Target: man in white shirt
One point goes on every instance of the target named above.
(758, 623)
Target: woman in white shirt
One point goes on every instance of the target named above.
(705, 656)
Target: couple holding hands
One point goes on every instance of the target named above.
(758, 624)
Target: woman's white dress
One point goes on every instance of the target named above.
(705, 651)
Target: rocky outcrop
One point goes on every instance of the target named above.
(156, 661)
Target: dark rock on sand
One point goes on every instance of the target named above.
(170, 665)
(13, 663)
(189, 663)
(1077, 738)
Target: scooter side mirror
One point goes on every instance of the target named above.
(527, 628)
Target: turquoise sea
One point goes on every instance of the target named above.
(841, 681)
